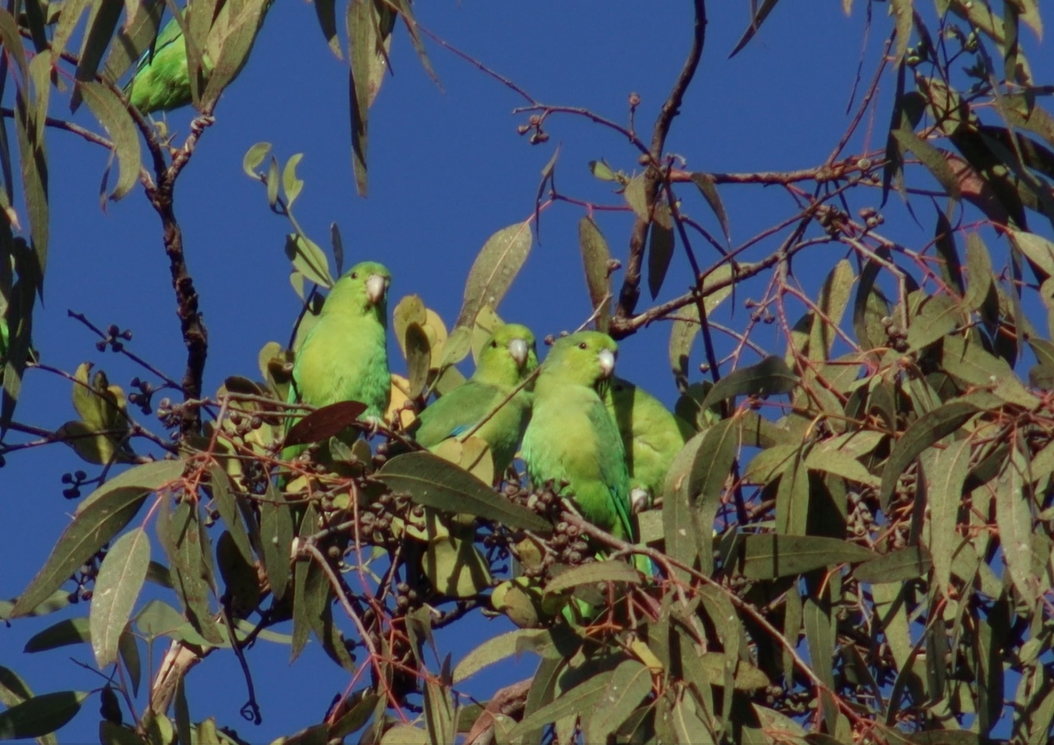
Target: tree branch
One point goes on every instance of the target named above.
(653, 175)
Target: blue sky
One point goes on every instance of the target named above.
(447, 169)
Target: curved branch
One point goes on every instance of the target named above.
(653, 176)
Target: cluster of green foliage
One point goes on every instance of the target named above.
(854, 546)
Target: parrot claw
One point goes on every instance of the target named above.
(639, 500)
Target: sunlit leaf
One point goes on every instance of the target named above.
(493, 271)
(117, 586)
(770, 556)
(433, 482)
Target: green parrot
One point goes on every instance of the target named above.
(651, 436)
(571, 437)
(344, 357)
(506, 360)
(161, 81)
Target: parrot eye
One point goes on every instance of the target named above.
(583, 345)
(354, 275)
(494, 345)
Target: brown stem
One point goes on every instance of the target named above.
(653, 176)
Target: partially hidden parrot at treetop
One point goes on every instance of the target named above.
(651, 436)
(161, 81)
(344, 357)
(571, 436)
(506, 360)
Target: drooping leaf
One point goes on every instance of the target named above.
(493, 271)
(706, 187)
(92, 527)
(598, 571)
(433, 482)
(911, 562)
(40, 715)
(770, 556)
(108, 109)
(629, 684)
(61, 634)
(117, 586)
(596, 258)
(660, 252)
(768, 377)
(761, 12)
(923, 432)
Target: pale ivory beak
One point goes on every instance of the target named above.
(607, 363)
(375, 287)
(518, 351)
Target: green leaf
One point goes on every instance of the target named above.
(686, 324)
(137, 481)
(923, 433)
(104, 19)
(596, 258)
(1037, 248)
(363, 36)
(291, 184)
(94, 525)
(979, 268)
(629, 684)
(158, 618)
(57, 601)
(936, 318)
(635, 198)
(117, 586)
(276, 534)
(582, 698)
(770, 556)
(760, 14)
(841, 464)
(597, 571)
(768, 377)
(128, 647)
(706, 187)
(40, 715)
(496, 649)
(439, 712)
(61, 634)
(229, 45)
(418, 358)
(910, 562)
(492, 273)
(227, 505)
(124, 135)
(945, 475)
(308, 258)
(326, 11)
(1013, 517)
(188, 548)
(660, 252)
(433, 482)
(934, 160)
(792, 498)
(456, 568)
(254, 156)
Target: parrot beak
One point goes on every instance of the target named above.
(376, 286)
(607, 363)
(518, 351)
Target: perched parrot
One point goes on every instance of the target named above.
(344, 357)
(651, 435)
(161, 81)
(507, 359)
(571, 437)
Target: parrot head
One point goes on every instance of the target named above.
(584, 358)
(364, 287)
(509, 354)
